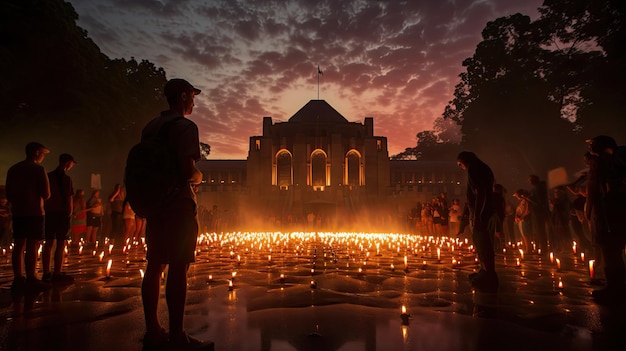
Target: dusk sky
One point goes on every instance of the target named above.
(397, 61)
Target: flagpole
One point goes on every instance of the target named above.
(318, 82)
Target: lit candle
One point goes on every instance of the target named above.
(233, 275)
(141, 273)
(592, 273)
(404, 316)
(210, 278)
(110, 249)
(101, 256)
(558, 264)
(518, 264)
(282, 278)
(582, 256)
(521, 254)
(109, 268)
(80, 250)
(574, 247)
(438, 254)
(551, 257)
(230, 285)
(313, 284)
(560, 286)
(393, 268)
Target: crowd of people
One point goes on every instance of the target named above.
(39, 205)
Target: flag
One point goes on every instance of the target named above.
(319, 71)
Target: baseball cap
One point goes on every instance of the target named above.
(175, 86)
(34, 146)
(66, 157)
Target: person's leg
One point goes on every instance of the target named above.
(175, 295)
(59, 254)
(30, 259)
(150, 288)
(46, 255)
(17, 257)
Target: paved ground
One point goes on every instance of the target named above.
(355, 306)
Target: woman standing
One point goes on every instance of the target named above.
(79, 217)
(94, 217)
(521, 216)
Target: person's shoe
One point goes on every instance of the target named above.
(18, 285)
(487, 282)
(155, 340)
(47, 278)
(35, 285)
(185, 342)
(475, 275)
(610, 295)
(62, 278)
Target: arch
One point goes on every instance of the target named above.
(353, 168)
(284, 169)
(318, 169)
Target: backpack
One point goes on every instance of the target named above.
(151, 175)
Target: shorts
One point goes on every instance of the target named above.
(94, 221)
(171, 234)
(28, 227)
(57, 225)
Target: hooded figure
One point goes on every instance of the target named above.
(482, 214)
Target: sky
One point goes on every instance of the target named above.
(396, 61)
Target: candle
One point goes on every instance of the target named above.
(210, 278)
(282, 278)
(558, 264)
(582, 256)
(393, 268)
(518, 264)
(404, 316)
(230, 285)
(560, 286)
(551, 257)
(521, 254)
(313, 284)
(80, 250)
(109, 268)
(141, 273)
(592, 264)
(438, 254)
(574, 247)
(101, 256)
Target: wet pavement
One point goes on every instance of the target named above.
(338, 291)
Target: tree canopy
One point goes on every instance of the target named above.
(60, 90)
(535, 90)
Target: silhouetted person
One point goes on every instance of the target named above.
(59, 208)
(482, 215)
(539, 211)
(27, 187)
(172, 231)
(606, 208)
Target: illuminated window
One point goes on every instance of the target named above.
(379, 144)
(257, 144)
(283, 169)
(353, 168)
(318, 169)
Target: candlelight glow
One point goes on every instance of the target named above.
(108, 274)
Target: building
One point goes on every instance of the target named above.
(318, 166)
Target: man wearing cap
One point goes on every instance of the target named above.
(172, 232)
(59, 208)
(27, 187)
(605, 208)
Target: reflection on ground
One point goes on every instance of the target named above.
(323, 291)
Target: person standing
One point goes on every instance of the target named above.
(116, 202)
(79, 217)
(172, 231)
(539, 212)
(27, 187)
(59, 209)
(605, 208)
(95, 212)
(482, 214)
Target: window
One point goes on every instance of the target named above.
(283, 169)
(353, 168)
(318, 169)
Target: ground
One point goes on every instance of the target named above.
(355, 305)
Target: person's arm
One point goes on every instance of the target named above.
(191, 172)
(44, 184)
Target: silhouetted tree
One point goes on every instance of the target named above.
(58, 88)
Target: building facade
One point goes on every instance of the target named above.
(318, 163)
